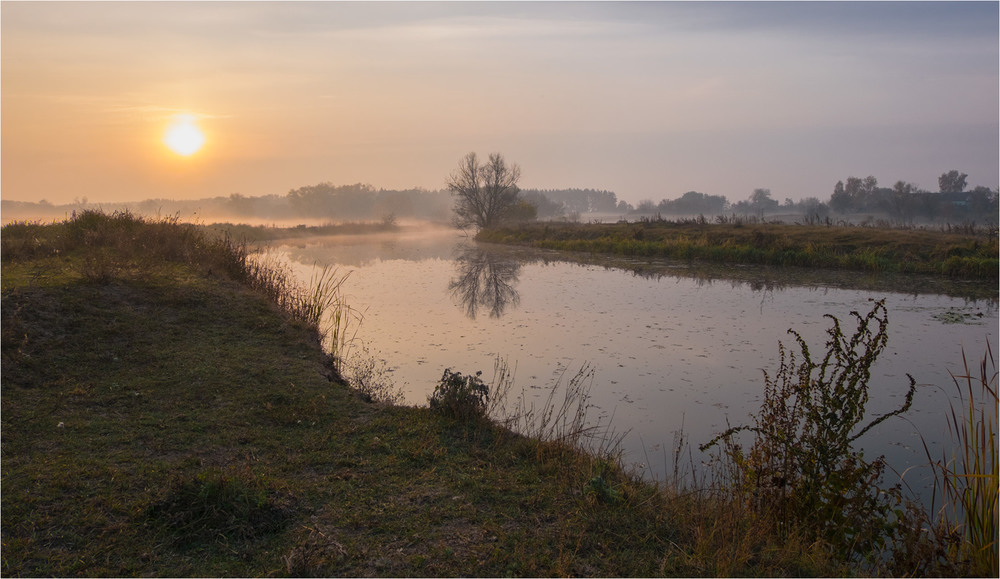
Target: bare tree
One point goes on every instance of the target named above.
(485, 193)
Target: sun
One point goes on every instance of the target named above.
(183, 135)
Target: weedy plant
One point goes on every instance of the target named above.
(368, 375)
(801, 468)
(598, 487)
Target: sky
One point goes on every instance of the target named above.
(649, 99)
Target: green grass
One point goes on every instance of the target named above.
(955, 255)
(168, 410)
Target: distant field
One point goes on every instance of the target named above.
(247, 232)
(965, 254)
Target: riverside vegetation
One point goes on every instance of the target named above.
(255, 233)
(965, 252)
(168, 409)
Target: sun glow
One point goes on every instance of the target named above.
(183, 135)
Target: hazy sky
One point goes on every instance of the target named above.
(649, 100)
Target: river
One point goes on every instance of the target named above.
(673, 347)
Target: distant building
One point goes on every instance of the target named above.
(956, 199)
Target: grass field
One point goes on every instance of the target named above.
(165, 413)
(963, 255)
(256, 233)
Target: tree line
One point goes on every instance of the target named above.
(483, 199)
(904, 202)
(487, 192)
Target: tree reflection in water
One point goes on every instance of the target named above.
(485, 280)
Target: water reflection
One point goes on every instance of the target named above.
(773, 278)
(485, 280)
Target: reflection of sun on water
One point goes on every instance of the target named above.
(183, 135)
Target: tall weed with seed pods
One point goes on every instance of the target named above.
(801, 467)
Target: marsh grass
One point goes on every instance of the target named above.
(106, 247)
(971, 481)
(965, 528)
(956, 253)
(259, 233)
(321, 303)
(563, 415)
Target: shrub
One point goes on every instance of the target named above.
(462, 397)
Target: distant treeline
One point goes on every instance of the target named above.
(562, 202)
(851, 199)
(903, 202)
(324, 201)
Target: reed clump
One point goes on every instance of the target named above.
(971, 479)
(960, 535)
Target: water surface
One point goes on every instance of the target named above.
(672, 345)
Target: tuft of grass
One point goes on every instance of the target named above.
(230, 510)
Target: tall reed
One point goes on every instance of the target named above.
(970, 477)
(322, 295)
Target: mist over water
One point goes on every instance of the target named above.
(676, 346)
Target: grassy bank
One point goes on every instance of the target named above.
(168, 410)
(950, 254)
(255, 233)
